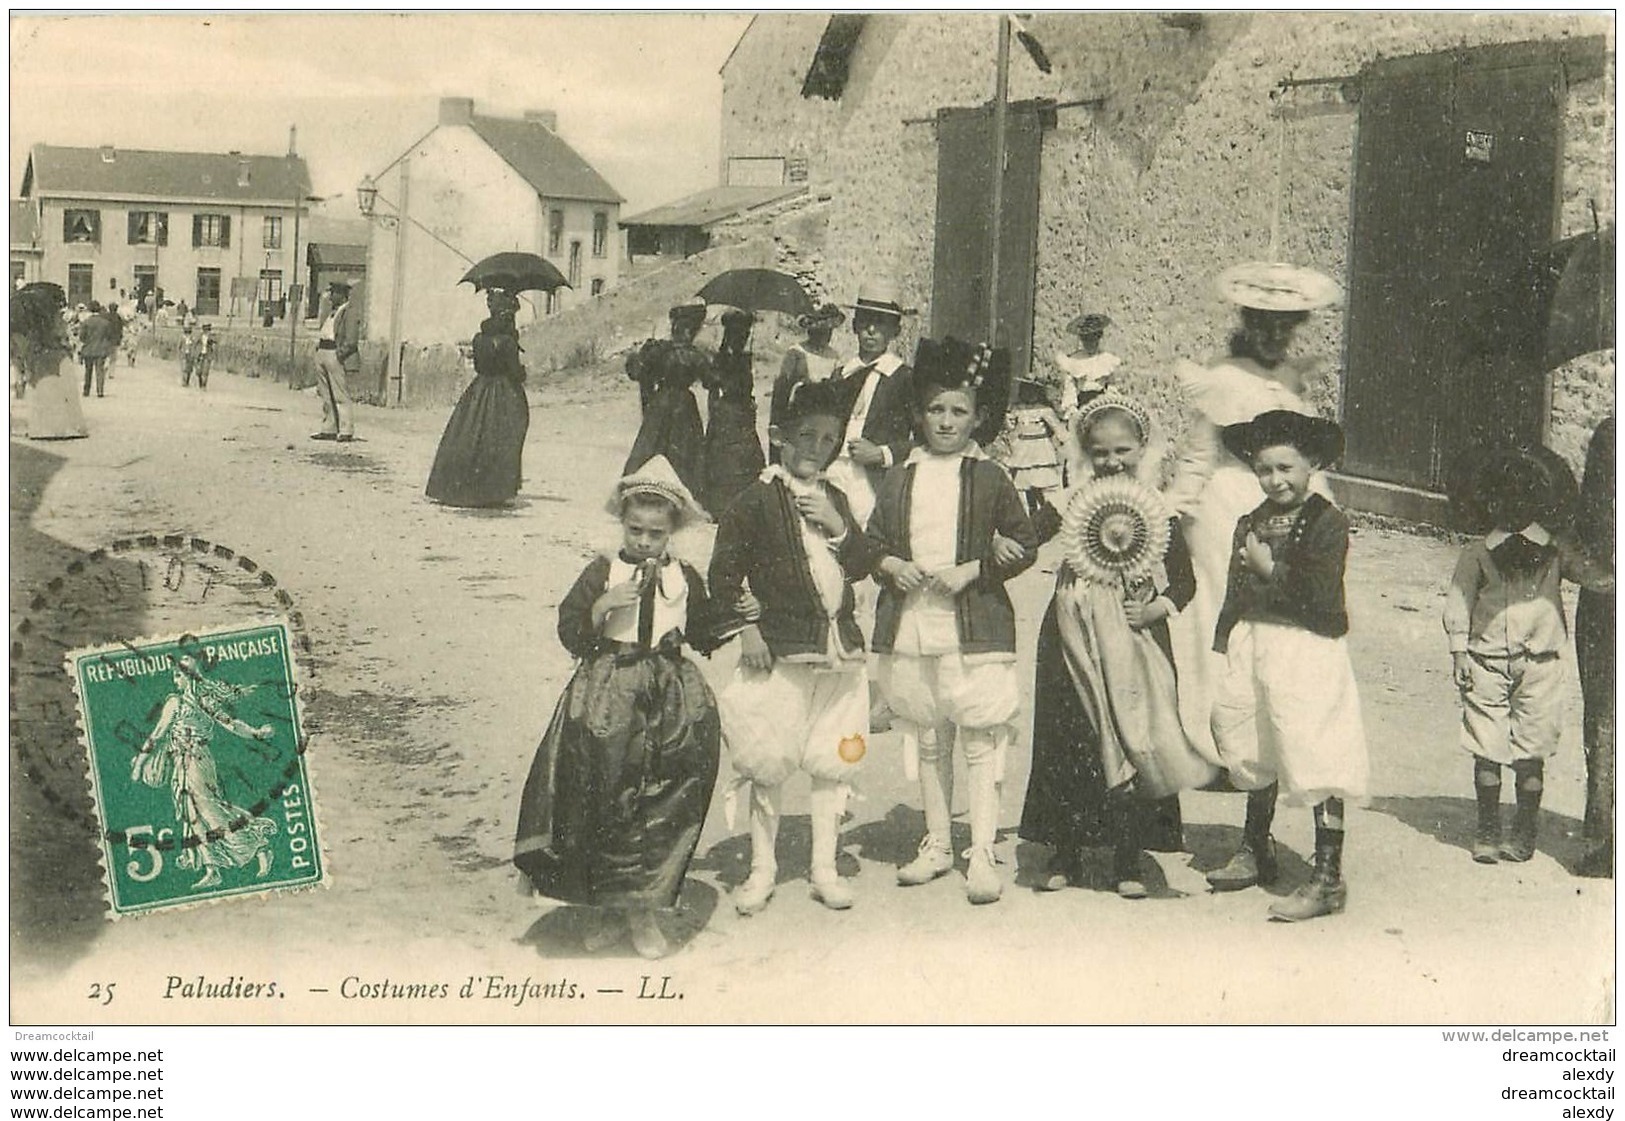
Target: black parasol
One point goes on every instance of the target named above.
(515, 272)
(758, 290)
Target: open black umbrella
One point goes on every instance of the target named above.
(758, 290)
(1580, 316)
(515, 272)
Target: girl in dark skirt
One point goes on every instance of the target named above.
(733, 450)
(478, 462)
(618, 792)
(1109, 753)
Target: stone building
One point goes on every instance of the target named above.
(26, 250)
(189, 223)
(477, 185)
(1423, 160)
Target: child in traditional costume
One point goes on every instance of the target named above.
(1109, 752)
(619, 789)
(1287, 711)
(786, 554)
(945, 628)
(1031, 447)
(1504, 617)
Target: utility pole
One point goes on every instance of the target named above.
(1001, 97)
(392, 368)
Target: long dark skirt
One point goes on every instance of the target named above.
(478, 463)
(733, 453)
(1066, 806)
(671, 427)
(618, 792)
(1594, 648)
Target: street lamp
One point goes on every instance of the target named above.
(366, 196)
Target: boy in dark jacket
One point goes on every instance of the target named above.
(786, 554)
(945, 629)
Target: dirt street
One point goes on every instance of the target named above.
(436, 669)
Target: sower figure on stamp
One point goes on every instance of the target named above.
(214, 833)
(338, 353)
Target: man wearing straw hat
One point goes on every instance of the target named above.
(878, 388)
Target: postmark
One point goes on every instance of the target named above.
(66, 600)
(197, 774)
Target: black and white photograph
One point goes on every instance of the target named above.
(796, 518)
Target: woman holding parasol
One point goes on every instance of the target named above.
(479, 461)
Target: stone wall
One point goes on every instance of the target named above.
(1146, 198)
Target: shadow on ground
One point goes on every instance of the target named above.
(1454, 822)
(558, 933)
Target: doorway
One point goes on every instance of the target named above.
(963, 227)
(1458, 172)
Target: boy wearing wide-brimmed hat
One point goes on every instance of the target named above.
(878, 387)
(1504, 617)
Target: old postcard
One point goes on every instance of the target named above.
(626, 519)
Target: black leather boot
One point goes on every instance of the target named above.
(1253, 863)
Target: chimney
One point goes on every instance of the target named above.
(457, 111)
(107, 153)
(293, 140)
(547, 118)
(242, 169)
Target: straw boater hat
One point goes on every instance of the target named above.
(1319, 439)
(658, 477)
(879, 297)
(1090, 325)
(1274, 286)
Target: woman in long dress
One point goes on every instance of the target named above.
(666, 370)
(479, 460)
(733, 450)
(39, 339)
(1212, 489)
(178, 753)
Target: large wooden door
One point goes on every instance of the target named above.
(964, 209)
(1456, 190)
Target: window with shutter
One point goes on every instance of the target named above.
(82, 226)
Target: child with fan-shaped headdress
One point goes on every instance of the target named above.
(945, 629)
(1109, 752)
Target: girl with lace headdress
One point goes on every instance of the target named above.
(1109, 753)
(215, 833)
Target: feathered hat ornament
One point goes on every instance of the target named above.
(1115, 530)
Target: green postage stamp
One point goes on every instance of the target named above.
(197, 767)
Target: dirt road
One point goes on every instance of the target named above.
(436, 668)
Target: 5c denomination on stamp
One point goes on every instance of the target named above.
(197, 773)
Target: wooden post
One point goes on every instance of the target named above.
(1001, 95)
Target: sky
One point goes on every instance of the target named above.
(638, 95)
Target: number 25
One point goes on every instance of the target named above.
(101, 992)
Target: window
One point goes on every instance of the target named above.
(270, 285)
(272, 235)
(575, 264)
(208, 292)
(597, 286)
(81, 284)
(212, 230)
(832, 62)
(82, 226)
(146, 280)
(600, 232)
(149, 227)
(555, 231)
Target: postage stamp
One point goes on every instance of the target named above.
(197, 773)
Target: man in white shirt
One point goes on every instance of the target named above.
(338, 419)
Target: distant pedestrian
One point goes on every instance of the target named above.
(666, 370)
(480, 459)
(338, 353)
(206, 346)
(733, 450)
(811, 360)
(617, 795)
(188, 351)
(1287, 710)
(1504, 618)
(39, 338)
(97, 342)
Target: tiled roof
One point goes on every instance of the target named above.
(24, 223)
(711, 205)
(54, 171)
(546, 162)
